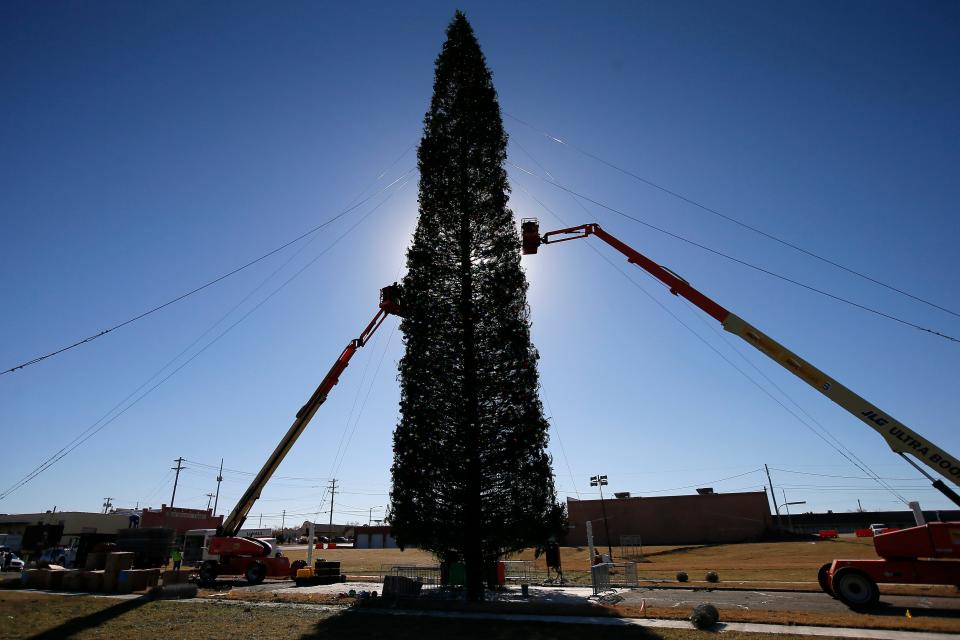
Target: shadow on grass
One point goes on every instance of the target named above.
(381, 626)
(76, 625)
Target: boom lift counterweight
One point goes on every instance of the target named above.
(853, 581)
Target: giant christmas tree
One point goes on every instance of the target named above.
(472, 479)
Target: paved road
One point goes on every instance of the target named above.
(303, 547)
(778, 601)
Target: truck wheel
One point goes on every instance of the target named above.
(855, 589)
(256, 572)
(823, 578)
(209, 571)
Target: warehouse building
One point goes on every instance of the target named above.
(696, 519)
(374, 538)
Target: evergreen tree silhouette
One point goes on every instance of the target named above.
(472, 480)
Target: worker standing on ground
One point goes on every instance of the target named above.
(553, 560)
(177, 558)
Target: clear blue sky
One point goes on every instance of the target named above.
(147, 149)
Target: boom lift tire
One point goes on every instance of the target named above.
(209, 571)
(256, 572)
(823, 578)
(855, 588)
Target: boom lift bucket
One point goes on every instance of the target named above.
(530, 234)
(391, 299)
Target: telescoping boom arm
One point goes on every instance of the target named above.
(389, 303)
(901, 438)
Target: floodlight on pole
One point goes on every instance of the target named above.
(601, 481)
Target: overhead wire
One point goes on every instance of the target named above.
(831, 475)
(712, 347)
(185, 350)
(80, 440)
(555, 430)
(732, 219)
(860, 463)
(208, 284)
(727, 256)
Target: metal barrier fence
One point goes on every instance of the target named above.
(522, 572)
(429, 577)
(609, 575)
(631, 548)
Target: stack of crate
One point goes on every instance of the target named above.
(106, 572)
(323, 572)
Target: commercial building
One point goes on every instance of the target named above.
(667, 520)
(179, 519)
(74, 522)
(374, 538)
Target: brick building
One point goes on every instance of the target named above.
(179, 519)
(696, 519)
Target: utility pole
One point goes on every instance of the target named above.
(209, 498)
(370, 519)
(333, 492)
(599, 481)
(773, 496)
(260, 525)
(859, 506)
(107, 503)
(177, 468)
(219, 480)
(283, 519)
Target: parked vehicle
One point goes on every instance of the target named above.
(13, 564)
(877, 528)
(58, 555)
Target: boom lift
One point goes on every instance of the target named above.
(925, 554)
(251, 557)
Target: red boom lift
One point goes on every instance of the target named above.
(925, 554)
(250, 557)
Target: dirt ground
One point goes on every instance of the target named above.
(44, 617)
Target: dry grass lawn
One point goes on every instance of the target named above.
(747, 565)
(42, 617)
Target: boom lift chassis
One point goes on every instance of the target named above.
(926, 554)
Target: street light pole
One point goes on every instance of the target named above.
(600, 481)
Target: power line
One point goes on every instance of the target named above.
(733, 259)
(831, 475)
(182, 296)
(861, 464)
(729, 218)
(79, 440)
(720, 354)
